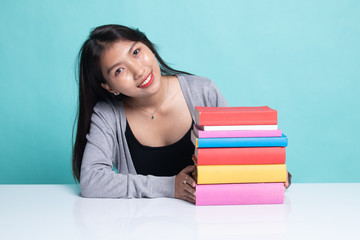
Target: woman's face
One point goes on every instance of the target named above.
(130, 68)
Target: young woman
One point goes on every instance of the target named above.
(134, 118)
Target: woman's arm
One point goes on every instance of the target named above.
(97, 179)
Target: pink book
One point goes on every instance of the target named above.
(236, 133)
(240, 194)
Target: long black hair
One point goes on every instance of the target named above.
(90, 79)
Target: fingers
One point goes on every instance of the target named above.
(286, 184)
(191, 200)
(188, 193)
(185, 185)
(189, 180)
(188, 169)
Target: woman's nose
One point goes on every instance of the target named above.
(138, 69)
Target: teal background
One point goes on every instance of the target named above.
(299, 57)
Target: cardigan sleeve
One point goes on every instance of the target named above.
(200, 91)
(215, 97)
(97, 178)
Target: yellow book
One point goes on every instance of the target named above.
(216, 174)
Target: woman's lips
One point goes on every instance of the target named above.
(147, 82)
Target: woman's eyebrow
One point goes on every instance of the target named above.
(117, 63)
(131, 48)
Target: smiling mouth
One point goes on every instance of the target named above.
(147, 82)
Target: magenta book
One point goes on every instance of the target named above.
(240, 194)
(236, 133)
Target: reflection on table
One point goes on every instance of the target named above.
(58, 212)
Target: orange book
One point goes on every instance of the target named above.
(240, 156)
(222, 116)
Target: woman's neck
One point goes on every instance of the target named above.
(153, 103)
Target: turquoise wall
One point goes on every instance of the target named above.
(299, 57)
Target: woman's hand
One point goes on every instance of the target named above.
(185, 185)
(286, 184)
(288, 181)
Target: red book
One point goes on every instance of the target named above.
(240, 156)
(220, 116)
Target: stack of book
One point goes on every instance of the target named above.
(240, 156)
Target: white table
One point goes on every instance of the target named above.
(310, 211)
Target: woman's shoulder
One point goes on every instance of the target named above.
(105, 106)
(194, 79)
(195, 83)
(109, 110)
(201, 91)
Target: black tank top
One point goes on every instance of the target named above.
(160, 161)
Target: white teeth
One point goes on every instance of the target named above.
(146, 81)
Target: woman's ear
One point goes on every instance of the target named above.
(109, 89)
(105, 86)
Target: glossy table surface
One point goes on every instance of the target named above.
(310, 211)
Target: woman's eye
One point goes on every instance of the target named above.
(136, 52)
(118, 71)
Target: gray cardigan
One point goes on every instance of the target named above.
(106, 148)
